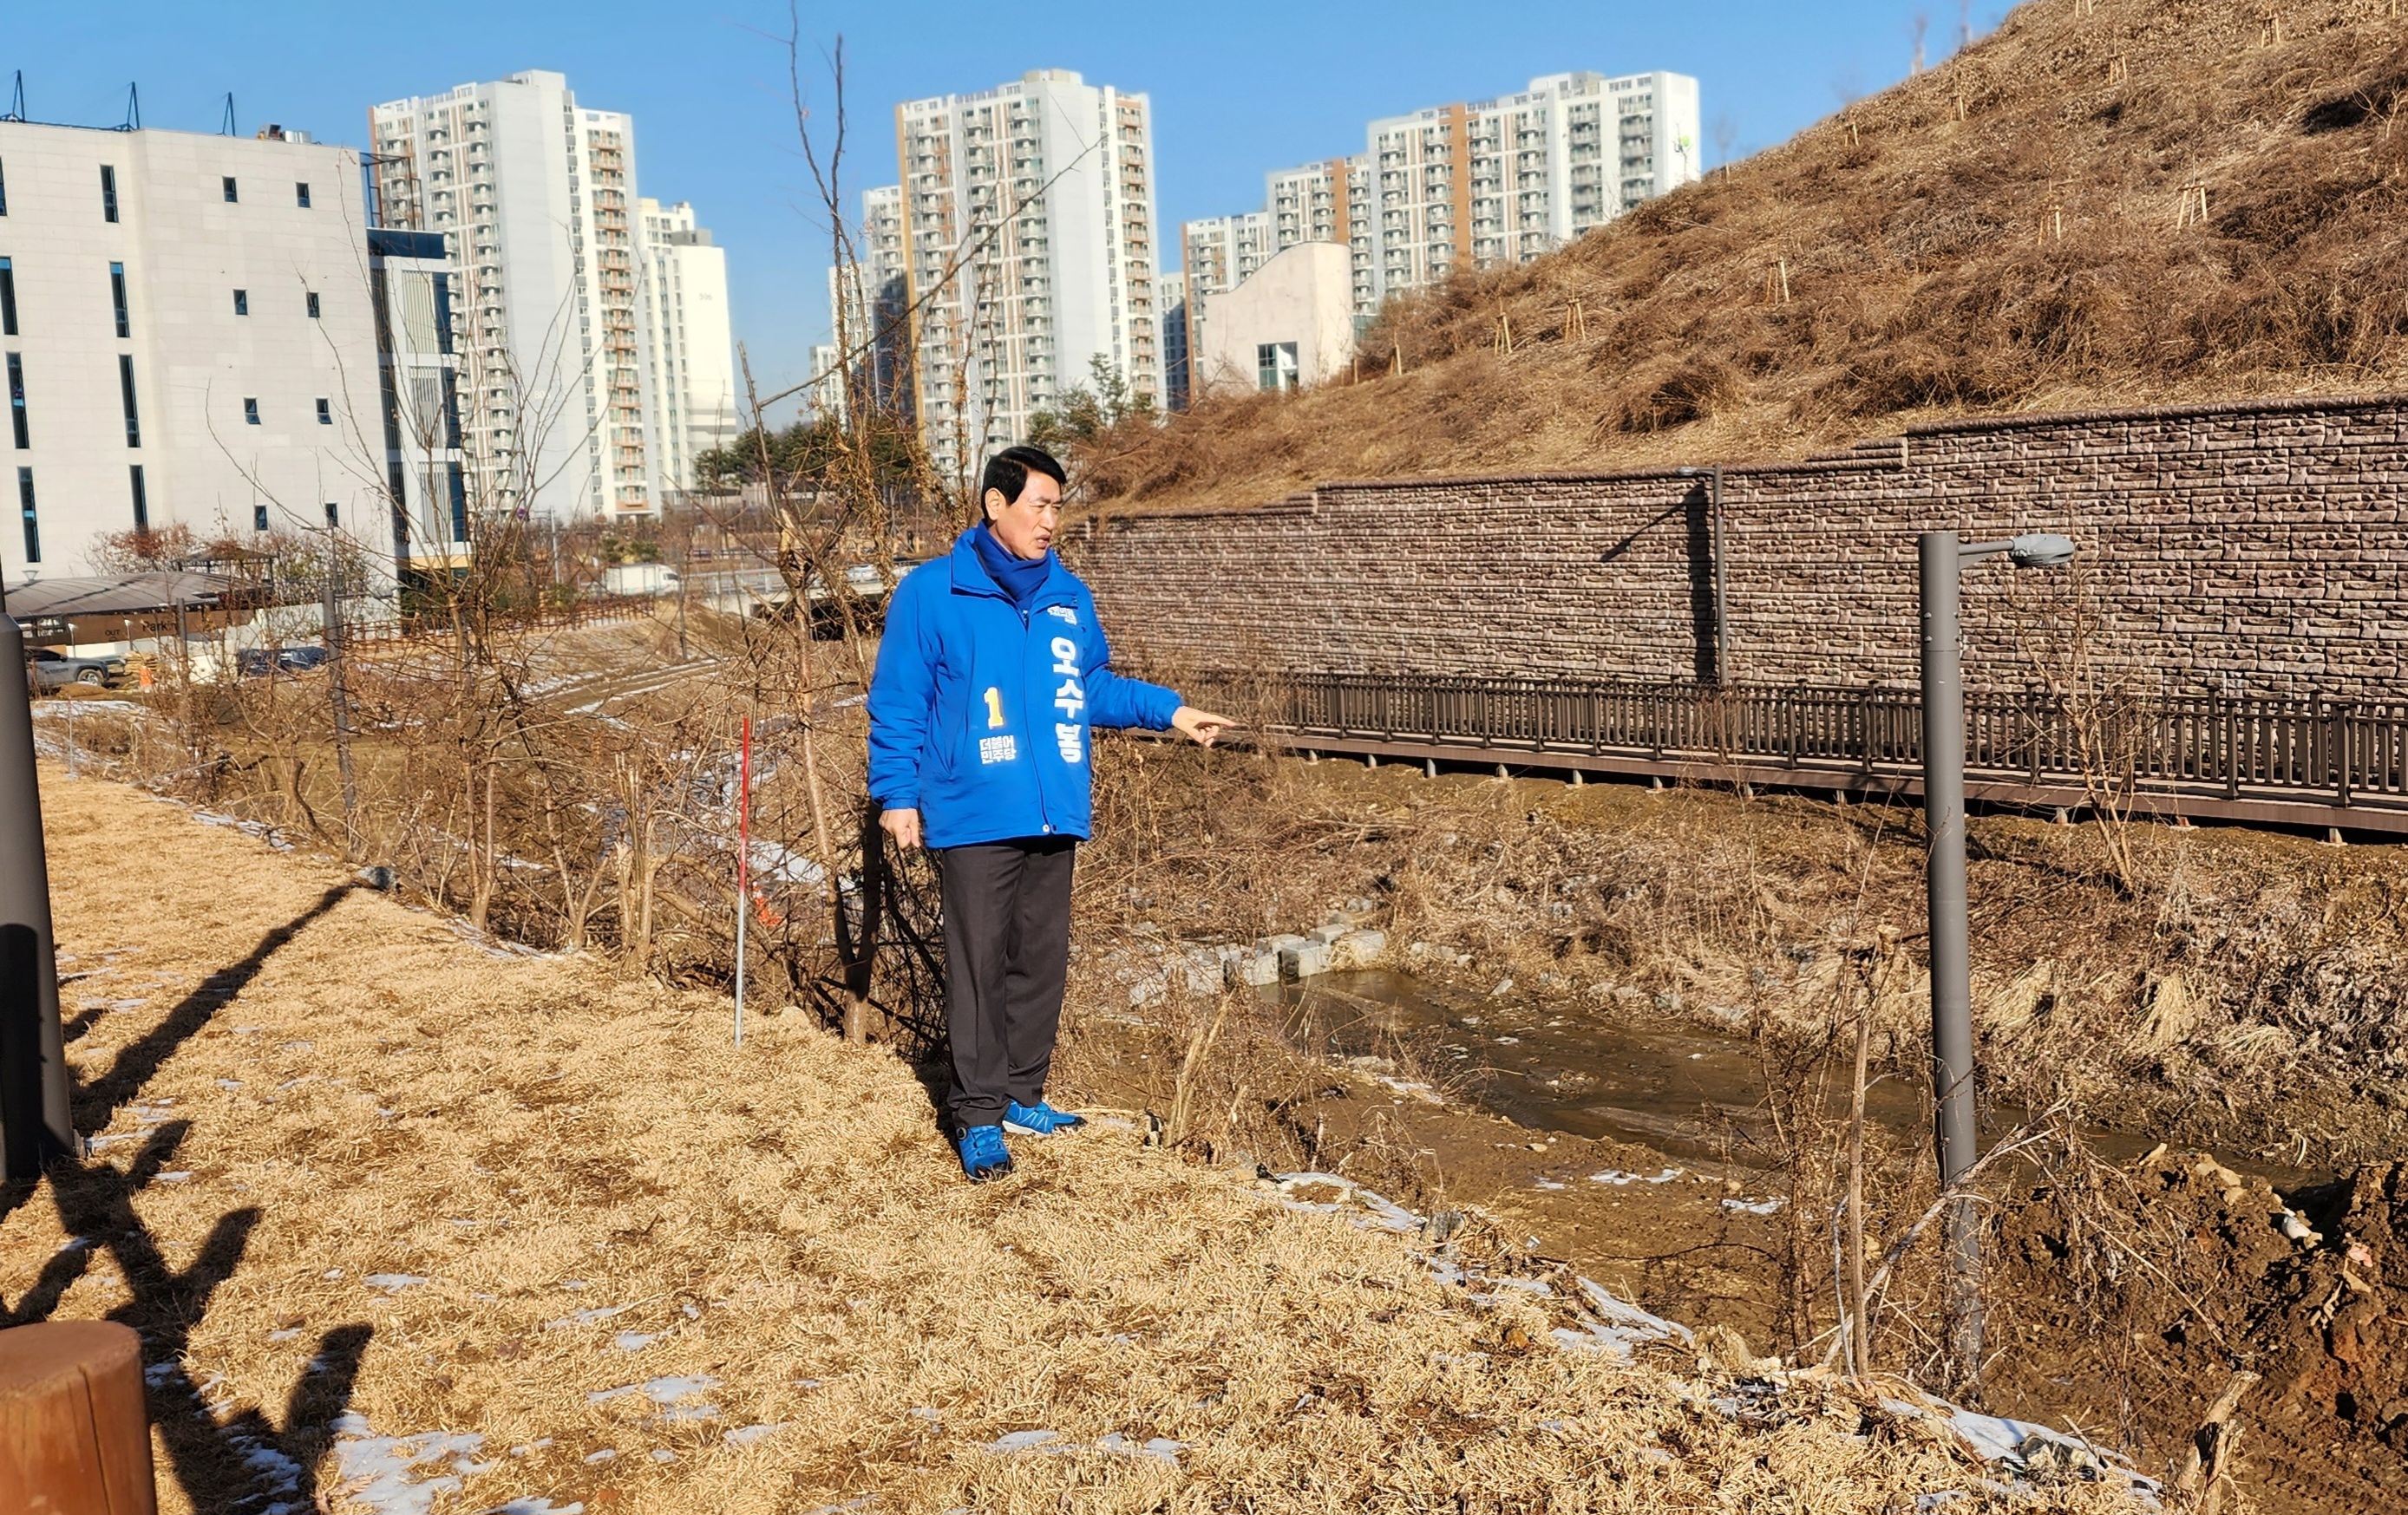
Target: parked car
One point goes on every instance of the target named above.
(259, 661)
(53, 669)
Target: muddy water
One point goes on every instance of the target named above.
(1579, 1070)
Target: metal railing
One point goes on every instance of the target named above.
(2339, 752)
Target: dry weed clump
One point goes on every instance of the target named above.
(2019, 227)
(360, 1175)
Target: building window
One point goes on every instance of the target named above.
(125, 383)
(313, 304)
(117, 293)
(1275, 365)
(459, 503)
(250, 411)
(8, 299)
(25, 508)
(141, 501)
(242, 302)
(300, 196)
(325, 414)
(17, 402)
(4, 190)
(334, 518)
(230, 195)
(258, 512)
(107, 193)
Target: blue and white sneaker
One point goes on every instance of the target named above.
(983, 1153)
(1042, 1120)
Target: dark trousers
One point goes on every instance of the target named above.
(1007, 954)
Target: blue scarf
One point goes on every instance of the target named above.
(1017, 576)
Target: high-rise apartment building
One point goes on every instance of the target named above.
(1023, 228)
(689, 349)
(1170, 292)
(1462, 186)
(196, 332)
(535, 197)
(870, 319)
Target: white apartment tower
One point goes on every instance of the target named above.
(536, 197)
(190, 334)
(1026, 229)
(689, 346)
(1464, 186)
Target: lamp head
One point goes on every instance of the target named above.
(2040, 549)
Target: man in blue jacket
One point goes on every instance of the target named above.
(992, 670)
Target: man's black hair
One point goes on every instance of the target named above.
(1008, 471)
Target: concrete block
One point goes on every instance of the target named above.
(1307, 960)
(1253, 971)
(1357, 949)
(1328, 933)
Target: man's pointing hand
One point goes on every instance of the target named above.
(1203, 726)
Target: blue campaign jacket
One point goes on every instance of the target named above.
(979, 713)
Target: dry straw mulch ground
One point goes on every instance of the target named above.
(363, 1179)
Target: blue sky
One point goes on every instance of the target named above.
(1238, 87)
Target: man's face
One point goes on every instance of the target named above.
(1025, 526)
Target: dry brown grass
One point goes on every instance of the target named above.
(320, 1085)
(2030, 255)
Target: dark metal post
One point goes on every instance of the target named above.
(1952, 994)
(34, 1121)
(336, 659)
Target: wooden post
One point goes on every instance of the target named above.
(74, 1436)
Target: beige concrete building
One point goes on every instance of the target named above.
(1290, 324)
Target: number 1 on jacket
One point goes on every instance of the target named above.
(994, 707)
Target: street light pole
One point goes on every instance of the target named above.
(35, 1121)
(1942, 558)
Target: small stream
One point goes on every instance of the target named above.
(1685, 1091)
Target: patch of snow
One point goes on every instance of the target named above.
(392, 1283)
(602, 1456)
(745, 1436)
(1022, 1440)
(1754, 1207)
(1160, 1447)
(1618, 1178)
(662, 1454)
(633, 1341)
(180, 1176)
(669, 1394)
(1383, 1214)
(381, 1471)
(586, 1317)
